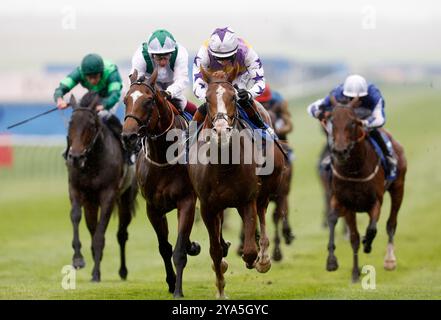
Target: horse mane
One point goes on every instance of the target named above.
(219, 74)
(90, 100)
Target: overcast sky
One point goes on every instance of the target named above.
(33, 33)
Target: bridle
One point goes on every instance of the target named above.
(89, 148)
(222, 115)
(142, 130)
(349, 150)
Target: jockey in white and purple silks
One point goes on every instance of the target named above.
(224, 49)
(371, 99)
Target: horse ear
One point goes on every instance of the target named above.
(134, 76)
(206, 76)
(96, 101)
(153, 77)
(233, 73)
(73, 102)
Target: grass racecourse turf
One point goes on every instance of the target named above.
(36, 232)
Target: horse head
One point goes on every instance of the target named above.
(221, 103)
(344, 128)
(84, 129)
(142, 114)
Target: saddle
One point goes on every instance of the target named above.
(390, 176)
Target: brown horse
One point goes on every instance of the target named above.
(358, 184)
(280, 199)
(98, 178)
(228, 184)
(164, 185)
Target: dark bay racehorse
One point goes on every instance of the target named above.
(280, 198)
(231, 185)
(98, 178)
(358, 184)
(164, 185)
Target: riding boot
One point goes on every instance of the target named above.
(386, 148)
(253, 114)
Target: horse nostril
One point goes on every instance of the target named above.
(214, 130)
(130, 138)
(229, 129)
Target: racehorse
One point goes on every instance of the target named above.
(164, 185)
(222, 185)
(281, 209)
(98, 178)
(359, 184)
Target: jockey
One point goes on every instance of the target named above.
(223, 50)
(370, 98)
(101, 76)
(273, 100)
(171, 58)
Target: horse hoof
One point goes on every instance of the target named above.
(277, 255)
(332, 264)
(194, 249)
(178, 295)
(263, 267)
(390, 264)
(289, 237)
(123, 274)
(355, 276)
(78, 263)
(95, 279)
(221, 296)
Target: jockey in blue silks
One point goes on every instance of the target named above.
(370, 98)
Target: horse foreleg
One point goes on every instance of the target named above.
(225, 244)
(263, 261)
(75, 216)
(396, 193)
(277, 254)
(186, 208)
(332, 263)
(159, 223)
(125, 208)
(371, 230)
(107, 201)
(213, 224)
(249, 216)
(355, 242)
(91, 214)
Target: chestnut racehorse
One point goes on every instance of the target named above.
(221, 185)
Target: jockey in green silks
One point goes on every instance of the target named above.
(101, 76)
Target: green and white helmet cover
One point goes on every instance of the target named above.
(161, 42)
